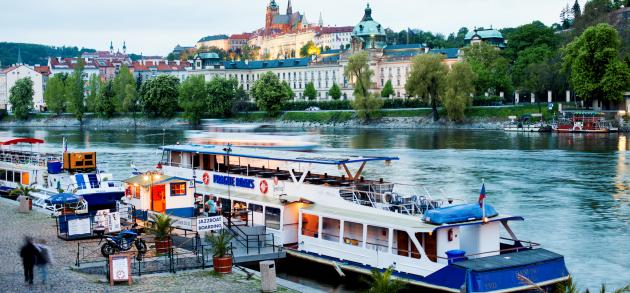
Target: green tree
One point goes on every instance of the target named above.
(75, 91)
(335, 92)
(388, 90)
(576, 9)
(122, 79)
(270, 94)
(222, 94)
(94, 87)
(131, 103)
(427, 79)
(193, 98)
(527, 57)
(596, 70)
(309, 91)
(309, 49)
(55, 94)
(21, 98)
(105, 107)
(535, 34)
(491, 69)
(159, 96)
(460, 83)
(359, 73)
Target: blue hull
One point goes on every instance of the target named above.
(546, 270)
(104, 200)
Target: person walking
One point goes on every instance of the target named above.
(29, 255)
(44, 260)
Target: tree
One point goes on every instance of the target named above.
(75, 91)
(335, 92)
(382, 282)
(460, 83)
(21, 98)
(122, 79)
(596, 70)
(106, 107)
(54, 95)
(193, 98)
(359, 73)
(388, 90)
(131, 101)
(221, 96)
(309, 49)
(535, 34)
(577, 10)
(270, 93)
(426, 79)
(527, 57)
(491, 69)
(309, 91)
(159, 96)
(94, 87)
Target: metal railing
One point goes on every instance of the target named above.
(30, 158)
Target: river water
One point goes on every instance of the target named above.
(573, 190)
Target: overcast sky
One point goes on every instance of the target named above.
(155, 26)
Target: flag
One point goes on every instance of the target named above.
(482, 194)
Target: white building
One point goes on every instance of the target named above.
(333, 38)
(12, 75)
(60, 65)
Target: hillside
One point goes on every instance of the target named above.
(35, 53)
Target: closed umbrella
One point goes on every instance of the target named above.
(62, 198)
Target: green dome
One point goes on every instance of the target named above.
(367, 26)
(484, 34)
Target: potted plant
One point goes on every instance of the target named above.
(23, 194)
(161, 229)
(221, 257)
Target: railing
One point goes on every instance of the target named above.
(261, 240)
(31, 158)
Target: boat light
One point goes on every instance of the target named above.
(156, 177)
(485, 220)
(146, 177)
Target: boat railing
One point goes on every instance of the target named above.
(29, 158)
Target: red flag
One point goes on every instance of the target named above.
(482, 194)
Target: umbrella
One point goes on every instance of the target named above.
(62, 198)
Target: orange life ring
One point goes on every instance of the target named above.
(264, 187)
(206, 178)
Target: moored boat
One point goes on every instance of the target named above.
(527, 123)
(583, 122)
(323, 209)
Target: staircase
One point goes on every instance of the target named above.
(253, 244)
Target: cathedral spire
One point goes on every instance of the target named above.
(289, 9)
(321, 20)
(111, 47)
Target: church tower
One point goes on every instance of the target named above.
(289, 9)
(272, 10)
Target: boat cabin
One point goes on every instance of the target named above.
(159, 193)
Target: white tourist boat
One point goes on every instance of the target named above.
(22, 164)
(527, 123)
(322, 209)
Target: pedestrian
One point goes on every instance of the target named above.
(29, 255)
(211, 208)
(44, 260)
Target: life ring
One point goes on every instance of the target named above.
(264, 186)
(206, 178)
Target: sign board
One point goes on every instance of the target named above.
(209, 224)
(182, 223)
(550, 106)
(101, 219)
(119, 268)
(113, 222)
(79, 227)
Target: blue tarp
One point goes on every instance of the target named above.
(458, 214)
(62, 198)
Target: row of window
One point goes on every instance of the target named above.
(13, 176)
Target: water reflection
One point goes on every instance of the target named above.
(621, 178)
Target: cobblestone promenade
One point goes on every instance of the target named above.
(14, 226)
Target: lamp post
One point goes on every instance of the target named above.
(228, 150)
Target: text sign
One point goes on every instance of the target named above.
(119, 268)
(209, 224)
(113, 223)
(233, 181)
(79, 227)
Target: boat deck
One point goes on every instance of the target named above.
(509, 260)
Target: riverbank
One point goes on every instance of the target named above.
(97, 123)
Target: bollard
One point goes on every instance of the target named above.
(268, 276)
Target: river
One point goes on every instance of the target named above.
(573, 190)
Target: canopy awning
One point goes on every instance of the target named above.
(16, 140)
(145, 181)
(62, 198)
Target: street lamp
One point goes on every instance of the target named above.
(228, 150)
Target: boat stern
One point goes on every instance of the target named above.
(516, 271)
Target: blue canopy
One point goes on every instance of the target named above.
(458, 214)
(62, 198)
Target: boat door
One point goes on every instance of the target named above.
(158, 198)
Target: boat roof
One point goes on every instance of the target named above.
(264, 154)
(139, 180)
(16, 140)
(394, 219)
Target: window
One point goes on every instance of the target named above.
(3, 174)
(178, 189)
(256, 208)
(9, 175)
(272, 218)
(377, 238)
(310, 225)
(330, 229)
(353, 233)
(403, 245)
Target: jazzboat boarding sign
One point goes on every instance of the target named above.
(209, 224)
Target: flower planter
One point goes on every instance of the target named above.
(222, 265)
(162, 246)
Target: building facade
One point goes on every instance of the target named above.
(334, 37)
(275, 22)
(217, 41)
(490, 36)
(17, 72)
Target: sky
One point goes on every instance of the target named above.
(154, 27)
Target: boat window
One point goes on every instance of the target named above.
(256, 208)
(135, 191)
(310, 225)
(178, 189)
(331, 229)
(3, 174)
(403, 245)
(17, 176)
(272, 218)
(377, 238)
(9, 175)
(176, 159)
(353, 233)
(196, 161)
(429, 243)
